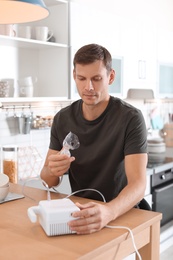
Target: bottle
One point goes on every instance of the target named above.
(9, 162)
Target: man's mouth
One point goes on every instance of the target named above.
(89, 95)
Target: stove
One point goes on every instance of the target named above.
(162, 185)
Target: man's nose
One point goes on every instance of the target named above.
(89, 85)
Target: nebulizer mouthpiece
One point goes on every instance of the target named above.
(71, 142)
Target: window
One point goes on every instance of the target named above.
(116, 86)
(165, 86)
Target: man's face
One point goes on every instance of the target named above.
(92, 81)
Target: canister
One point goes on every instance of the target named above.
(1, 159)
(9, 161)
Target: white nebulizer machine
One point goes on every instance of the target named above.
(54, 215)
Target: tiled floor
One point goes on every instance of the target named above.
(168, 254)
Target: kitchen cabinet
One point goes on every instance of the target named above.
(46, 61)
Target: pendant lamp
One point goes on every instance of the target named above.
(22, 11)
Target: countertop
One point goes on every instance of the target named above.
(162, 161)
(28, 240)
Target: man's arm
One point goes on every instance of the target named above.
(94, 216)
(55, 165)
(135, 167)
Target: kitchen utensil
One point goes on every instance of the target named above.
(11, 86)
(4, 88)
(25, 32)
(24, 123)
(26, 91)
(156, 147)
(7, 29)
(42, 33)
(156, 119)
(26, 86)
(155, 140)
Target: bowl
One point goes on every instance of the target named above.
(4, 180)
(156, 148)
(4, 192)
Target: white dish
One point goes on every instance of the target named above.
(156, 144)
(4, 180)
(4, 192)
(156, 140)
(156, 148)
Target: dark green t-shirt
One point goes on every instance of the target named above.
(104, 142)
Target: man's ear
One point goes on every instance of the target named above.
(112, 77)
(74, 74)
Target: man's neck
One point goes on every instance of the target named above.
(92, 112)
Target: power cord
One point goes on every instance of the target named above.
(75, 192)
(132, 237)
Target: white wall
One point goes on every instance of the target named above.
(136, 30)
(156, 11)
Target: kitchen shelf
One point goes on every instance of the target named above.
(31, 99)
(28, 43)
(45, 60)
(35, 102)
(10, 102)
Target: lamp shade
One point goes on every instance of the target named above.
(135, 93)
(22, 11)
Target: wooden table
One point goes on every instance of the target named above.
(21, 239)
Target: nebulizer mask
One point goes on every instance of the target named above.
(71, 142)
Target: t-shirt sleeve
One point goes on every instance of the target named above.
(54, 140)
(136, 135)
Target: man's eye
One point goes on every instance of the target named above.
(81, 79)
(97, 78)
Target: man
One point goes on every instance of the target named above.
(112, 155)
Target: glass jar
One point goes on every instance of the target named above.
(1, 170)
(9, 161)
